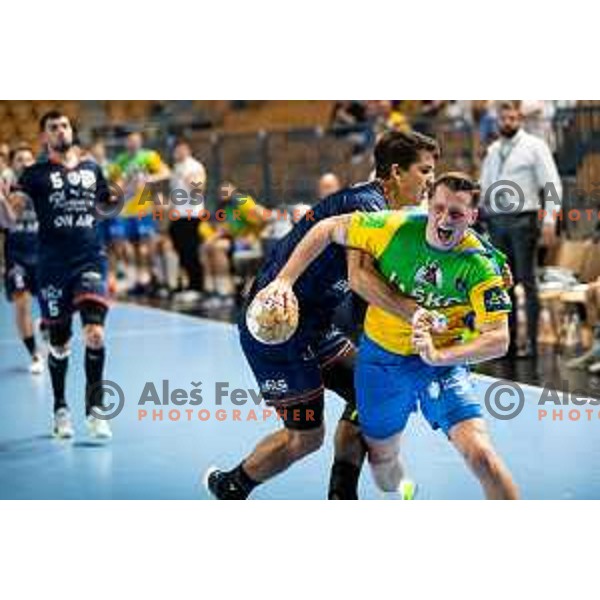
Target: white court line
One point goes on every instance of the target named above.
(535, 388)
(117, 332)
(176, 315)
(203, 320)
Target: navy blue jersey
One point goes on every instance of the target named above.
(64, 200)
(324, 285)
(21, 240)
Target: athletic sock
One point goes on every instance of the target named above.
(30, 345)
(343, 483)
(94, 368)
(242, 480)
(58, 374)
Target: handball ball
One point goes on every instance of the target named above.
(273, 320)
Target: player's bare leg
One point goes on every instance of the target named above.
(273, 455)
(384, 459)
(303, 435)
(22, 302)
(278, 451)
(471, 438)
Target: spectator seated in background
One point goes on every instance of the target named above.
(386, 116)
(235, 229)
(349, 119)
(590, 360)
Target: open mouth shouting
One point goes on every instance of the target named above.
(445, 235)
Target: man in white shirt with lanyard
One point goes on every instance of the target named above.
(517, 172)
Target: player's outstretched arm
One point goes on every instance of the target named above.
(492, 343)
(334, 229)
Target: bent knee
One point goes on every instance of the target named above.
(382, 453)
(484, 461)
(302, 443)
(94, 336)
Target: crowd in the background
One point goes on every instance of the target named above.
(362, 120)
(168, 241)
(205, 262)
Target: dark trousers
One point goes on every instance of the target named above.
(184, 234)
(517, 236)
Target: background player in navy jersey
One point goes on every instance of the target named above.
(293, 376)
(72, 264)
(21, 254)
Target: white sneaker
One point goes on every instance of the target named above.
(63, 427)
(98, 428)
(37, 365)
(407, 490)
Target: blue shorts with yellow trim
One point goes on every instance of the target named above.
(390, 387)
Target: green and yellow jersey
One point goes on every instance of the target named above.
(464, 283)
(132, 170)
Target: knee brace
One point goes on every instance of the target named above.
(92, 313)
(59, 335)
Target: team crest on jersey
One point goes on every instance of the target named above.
(496, 300)
(429, 273)
(88, 179)
(74, 177)
(274, 387)
(51, 293)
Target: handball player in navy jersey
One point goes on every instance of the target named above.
(293, 375)
(65, 193)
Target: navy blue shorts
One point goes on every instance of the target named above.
(291, 373)
(389, 387)
(20, 277)
(63, 287)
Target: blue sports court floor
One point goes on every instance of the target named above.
(152, 459)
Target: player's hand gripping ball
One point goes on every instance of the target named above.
(272, 317)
